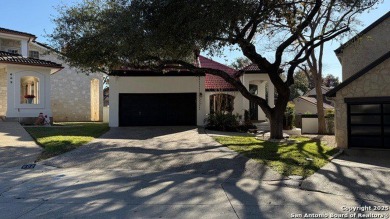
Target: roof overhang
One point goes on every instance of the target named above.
(152, 73)
(221, 90)
(324, 106)
(339, 50)
(332, 93)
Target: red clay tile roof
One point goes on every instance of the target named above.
(213, 82)
(6, 57)
(252, 68)
(9, 31)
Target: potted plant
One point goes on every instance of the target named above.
(29, 98)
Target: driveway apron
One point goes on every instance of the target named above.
(172, 149)
(16, 146)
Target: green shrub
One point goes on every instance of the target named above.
(227, 122)
(222, 122)
(289, 116)
(329, 120)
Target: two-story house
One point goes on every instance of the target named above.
(34, 79)
(362, 100)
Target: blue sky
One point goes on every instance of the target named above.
(35, 16)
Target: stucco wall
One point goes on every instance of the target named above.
(366, 49)
(373, 84)
(163, 84)
(3, 91)
(71, 91)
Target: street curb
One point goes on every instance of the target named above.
(341, 151)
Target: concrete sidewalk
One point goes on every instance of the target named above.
(80, 193)
(16, 145)
(358, 173)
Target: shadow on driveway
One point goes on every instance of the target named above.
(358, 173)
(156, 174)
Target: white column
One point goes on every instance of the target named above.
(24, 48)
(261, 93)
(271, 94)
(245, 101)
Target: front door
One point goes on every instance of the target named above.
(253, 108)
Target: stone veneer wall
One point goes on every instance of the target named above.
(366, 49)
(3, 92)
(71, 91)
(374, 83)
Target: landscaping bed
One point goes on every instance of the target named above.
(64, 137)
(296, 156)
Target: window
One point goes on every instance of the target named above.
(29, 92)
(13, 51)
(33, 54)
(221, 103)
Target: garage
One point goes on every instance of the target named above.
(369, 124)
(157, 109)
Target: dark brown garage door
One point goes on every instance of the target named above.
(169, 109)
(369, 125)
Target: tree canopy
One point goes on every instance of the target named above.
(105, 34)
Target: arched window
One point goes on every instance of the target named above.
(29, 90)
(221, 103)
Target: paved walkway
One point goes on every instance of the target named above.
(358, 173)
(16, 145)
(329, 140)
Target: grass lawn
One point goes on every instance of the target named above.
(303, 156)
(63, 137)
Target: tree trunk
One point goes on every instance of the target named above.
(276, 117)
(276, 123)
(320, 106)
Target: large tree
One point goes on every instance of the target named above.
(300, 86)
(330, 81)
(328, 18)
(240, 63)
(98, 34)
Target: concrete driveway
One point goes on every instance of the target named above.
(171, 149)
(16, 146)
(357, 173)
(158, 172)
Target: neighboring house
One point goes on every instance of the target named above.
(307, 104)
(362, 100)
(145, 97)
(28, 67)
